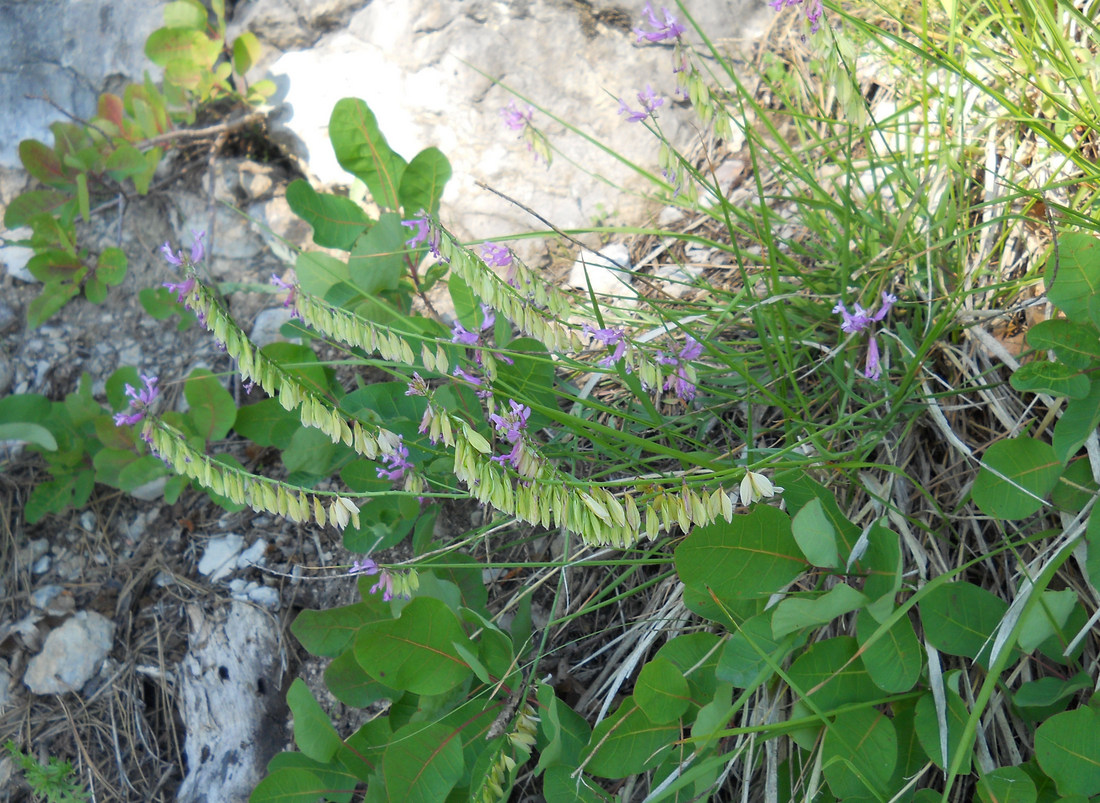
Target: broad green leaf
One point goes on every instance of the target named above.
(178, 47)
(313, 732)
(41, 161)
(464, 301)
(1068, 749)
(796, 613)
(84, 201)
(331, 775)
(1075, 344)
(661, 691)
(351, 685)
(422, 763)
(1075, 487)
(423, 182)
(267, 423)
(741, 660)
(52, 265)
(1073, 274)
(801, 490)
(246, 52)
(29, 204)
(185, 14)
(377, 260)
(1079, 420)
(318, 272)
(1028, 472)
(927, 727)
(337, 221)
(51, 496)
(415, 652)
(288, 785)
(1055, 378)
(827, 673)
(140, 471)
(881, 566)
(327, 633)
(212, 409)
(894, 661)
(560, 786)
(752, 556)
(1044, 694)
(1045, 619)
(564, 730)
(111, 266)
(29, 433)
(959, 619)
(628, 743)
(1006, 785)
(859, 754)
(695, 655)
(362, 150)
(816, 536)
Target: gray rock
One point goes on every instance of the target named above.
(266, 596)
(266, 328)
(66, 51)
(605, 272)
(230, 703)
(255, 555)
(70, 655)
(219, 558)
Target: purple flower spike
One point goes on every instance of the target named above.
(365, 566)
(182, 289)
(609, 338)
(398, 463)
(461, 335)
(140, 400)
(420, 235)
(670, 28)
(172, 259)
(516, 118)
(680, 382)
(860, 321)
(496, 255)
(512, 424)
(197, 248)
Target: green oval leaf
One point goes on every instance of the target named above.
(362, 150)
(1055, 378)
(337, 222)
(959, 618)
(661, 691)
(1026, 471)
(927, 726)
(1077, 278)
(827, 673)
(415, 652)
(422, 763)
(859, 754)
(423, 182)
(313, 732)
(212, 409)
(816, 536)
(1068, 749)
(796, 613)
(628, 743)
(1006, 785)
(893, 660)
(1075, 344)
(754, 555)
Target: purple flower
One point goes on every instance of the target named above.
(860, 321)
(197, 248)
(291, 286)
(609, 337)
(365, 566)
(182, 289)
(467, 377)
(496, 255)
(461, 335)
(173, 259)
(649, 99)
(397, 462)
(813, 10)
(680, 382)
(420, 224)
(139, 401)
(514, 117)
(513, 423)
(670, 28)
(417, 386)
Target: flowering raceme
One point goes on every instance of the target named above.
(682, 381)
(139, 401)
(813, 10)
(860, 320)
(649, 99)
(669, 28)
